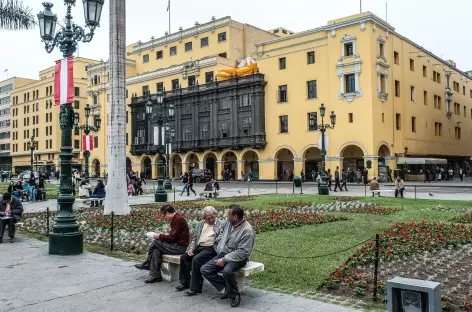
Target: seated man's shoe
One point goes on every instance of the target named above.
(1, 240)
(236, 301)
(181, 287)
(153, 279)
(142, 266)
(192, 292)
(224, 296)
(12, 240)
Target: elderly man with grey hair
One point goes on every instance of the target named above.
(199, 252)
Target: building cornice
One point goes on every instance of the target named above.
(182, 34)
(93, 68)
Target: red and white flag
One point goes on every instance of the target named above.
(87, 142)
(64, 81)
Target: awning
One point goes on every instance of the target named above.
(420, 161)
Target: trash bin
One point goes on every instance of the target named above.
(297, 181)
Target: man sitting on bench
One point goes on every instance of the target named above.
(375, 186)
(399, 187)
(199, 252)
(233, 248)
(211, 186)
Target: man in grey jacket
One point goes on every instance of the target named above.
(11, 210)
(199, 252)
(233, 248)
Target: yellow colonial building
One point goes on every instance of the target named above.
(33, 114)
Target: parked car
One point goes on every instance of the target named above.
(201, 175)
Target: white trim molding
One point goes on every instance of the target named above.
(382, 70)
(353, 67)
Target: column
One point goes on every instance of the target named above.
(333, 162)
(185, 167)
(154, 171)
(268, 169)
(240, 166)
(298, 165)
(201, 164)
(374, 164)
(219, 168)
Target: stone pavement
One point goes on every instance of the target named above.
(34, 281)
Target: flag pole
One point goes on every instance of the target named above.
(168, 9)
(360, 4)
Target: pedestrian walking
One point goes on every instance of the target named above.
(344, 178)
(190, 185)
(336, 180)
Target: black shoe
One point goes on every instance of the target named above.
(12, 240)
(143, 266)
(192, 292)
(1, 240)
(153, 279)
(181, 287)
(236, 301)
(224, 296)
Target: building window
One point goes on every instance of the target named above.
(349, 49)
(159, 55)
(145, 90)
(224, 55)
(396, 58)
(412, 93)
(222, 37)
(95, 100)
(436, 77)
(204, 42)
(76, 144)
(465, 114)
(412, 65)
(76, 104)
(175, 84)
(76, 131)
(383, 84)
(283, 124)
(310, 57)
(470, 94)
(312, 121)
(425, 97)
(383, 117)
(398, 121)
(381, 49)
(76, 91)
(146, 58)
(425, 71)
(191, 81)
(456, 86)
(397, 88)
(437, 102)
(208, 77)
(350, 117)
(173, 51)
(282, 63)
(350, 83)
(457, 132)
(438, 129)
(311, 89)
(457, 109)
(95, 141)
(282, 94)
(127, 139)
(159, 86)
(188, 46)
(413, 124)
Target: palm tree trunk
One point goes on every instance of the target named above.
(117, 196)
(15, 16)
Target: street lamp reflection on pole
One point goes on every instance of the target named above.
(323, 188)
(32, 146)
(87, 129)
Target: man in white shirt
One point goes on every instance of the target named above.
(199, 252)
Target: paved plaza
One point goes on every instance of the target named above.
(35, 281)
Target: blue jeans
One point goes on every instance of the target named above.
(32, 193)
(184, 189)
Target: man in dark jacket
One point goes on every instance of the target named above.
(337, 180)
(174, 243)
(190, 184)
(233, 248)
(11, 210)
(199, 252)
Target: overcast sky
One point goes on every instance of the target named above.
(439, 26)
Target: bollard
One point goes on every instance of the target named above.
(365, 190)
(47, 221)
(293, 187)
(301, 188)
(376, 265)
(248, 189)
(415, 191)
(112, 228)
(276, 191)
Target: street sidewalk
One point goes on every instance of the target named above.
(35, 281)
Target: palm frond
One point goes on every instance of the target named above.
(16, 16)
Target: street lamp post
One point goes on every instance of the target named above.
(323, 188)
(32, 146)
(66, 239)
(87, 129)
(168, 136)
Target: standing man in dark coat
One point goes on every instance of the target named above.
(199, 252)
(174, 243)
(337, 180)
(11, 210)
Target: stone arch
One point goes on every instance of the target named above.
(95, 168)
(287, 148)
(383, 149)
(347, 144)
(353, 157)
(146, 167)
(176, 166)
(285, 157)
(229, 158)
(210, 162)
(193, 160)
(250, 160)
(312, 160)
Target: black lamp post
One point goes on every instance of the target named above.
(87, 129)
(323, 188)
(169, 133)
(66, 239)
(32, 146)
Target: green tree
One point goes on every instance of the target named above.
(15, 16)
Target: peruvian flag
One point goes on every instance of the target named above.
(87, 143)
(64, 81)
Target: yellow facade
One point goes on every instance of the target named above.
(34, 114)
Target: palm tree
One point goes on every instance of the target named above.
(15, 16)
(117, 197)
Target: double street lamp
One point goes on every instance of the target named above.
(170, 134)
(32, 146)
(87, 129)
(323, 189)
(66, 239)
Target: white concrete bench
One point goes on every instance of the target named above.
(378, 192)
(88, 201)
(19, 225)
(205, 194)
(171, 266)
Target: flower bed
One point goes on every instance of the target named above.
(465, 218)
(338, 206)
(430, 251)
(130, 230)
(375, 210)
(442, 208)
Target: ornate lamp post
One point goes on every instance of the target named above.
(323, 189)
(87, 129)
(169, 133)
(65, 238)
(32, 146)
